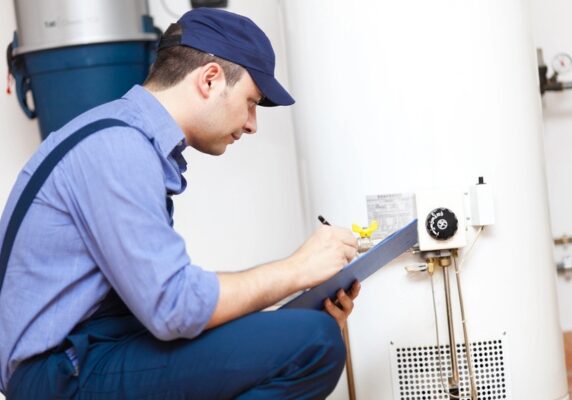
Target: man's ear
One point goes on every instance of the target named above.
(211, 78)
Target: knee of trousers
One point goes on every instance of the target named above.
(327, 335)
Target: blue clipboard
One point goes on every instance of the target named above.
(359, 269)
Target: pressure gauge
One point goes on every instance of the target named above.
(562, 63)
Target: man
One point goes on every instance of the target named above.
(100, 299)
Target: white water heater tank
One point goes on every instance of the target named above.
(401, 96)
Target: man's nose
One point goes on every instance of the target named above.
(250, 126)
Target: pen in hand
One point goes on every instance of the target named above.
(324, 221)
(336, 300)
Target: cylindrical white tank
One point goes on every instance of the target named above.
(397, 96)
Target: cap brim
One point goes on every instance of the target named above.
(273, 92)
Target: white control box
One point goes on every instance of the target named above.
(482, 204)
(441, 222)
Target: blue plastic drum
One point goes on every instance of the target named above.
(65, 82)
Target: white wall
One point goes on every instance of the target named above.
(18, 135)
(553, 33)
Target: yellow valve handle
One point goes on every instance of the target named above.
(365, 232)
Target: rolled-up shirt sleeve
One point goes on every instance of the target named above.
(116, 185)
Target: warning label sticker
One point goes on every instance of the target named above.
(391, 211)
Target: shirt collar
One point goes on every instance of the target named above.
(156, 121)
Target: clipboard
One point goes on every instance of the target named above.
(359, 269)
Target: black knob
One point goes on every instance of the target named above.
(441, 224)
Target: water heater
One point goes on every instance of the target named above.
(69, 56)
(397, 97)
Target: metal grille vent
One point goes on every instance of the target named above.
(416, 371)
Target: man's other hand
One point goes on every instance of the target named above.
(344, 304)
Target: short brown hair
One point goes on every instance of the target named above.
(174, 63)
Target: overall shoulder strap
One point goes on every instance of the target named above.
(37, 180)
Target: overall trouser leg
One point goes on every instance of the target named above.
(289, 354)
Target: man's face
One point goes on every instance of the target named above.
(229, 114)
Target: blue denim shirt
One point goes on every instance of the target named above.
(100, 222)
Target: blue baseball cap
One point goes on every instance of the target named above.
(236, 39)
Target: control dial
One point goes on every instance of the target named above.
(441, 224)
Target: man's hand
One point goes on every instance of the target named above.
(344, 304)
(323, 255)
(320, 257)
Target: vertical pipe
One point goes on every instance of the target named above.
(349, 366)
(473, 384)
(452, 345)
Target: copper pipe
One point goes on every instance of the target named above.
(473, 383)
(452, 345)
(563, 240)
(349, 367)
